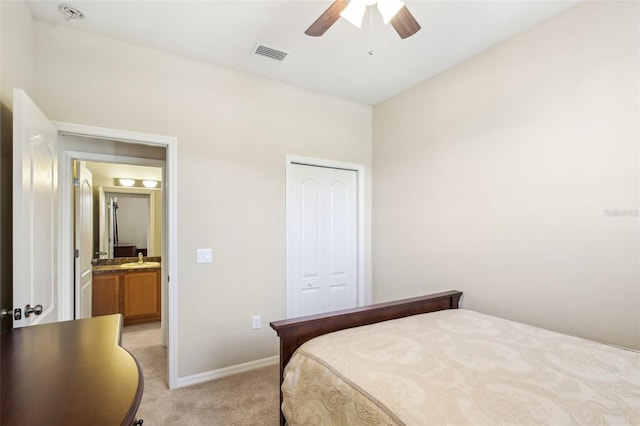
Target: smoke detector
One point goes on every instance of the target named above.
(70, 12)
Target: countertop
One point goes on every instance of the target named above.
(105, 266)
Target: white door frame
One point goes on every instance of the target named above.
(362, 291)
(170, 234)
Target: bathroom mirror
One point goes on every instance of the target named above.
(129, 223)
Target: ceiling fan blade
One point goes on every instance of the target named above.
(327, 19)
(404, 23)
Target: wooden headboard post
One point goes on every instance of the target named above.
(295, 331)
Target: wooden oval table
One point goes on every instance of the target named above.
(69, 373)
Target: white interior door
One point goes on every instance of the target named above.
(84, 240)
(322, 239)
(35, 191)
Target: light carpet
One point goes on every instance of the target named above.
(249, 398)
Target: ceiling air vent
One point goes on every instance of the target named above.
(270, 53)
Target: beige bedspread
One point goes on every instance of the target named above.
(458, 367)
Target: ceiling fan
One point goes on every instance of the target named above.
(393, 11)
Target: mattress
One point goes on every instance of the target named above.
(459, 367)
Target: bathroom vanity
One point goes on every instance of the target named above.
(128, 288)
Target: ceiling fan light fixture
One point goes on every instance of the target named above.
(354, 12)
(389, 8)
(393, 12)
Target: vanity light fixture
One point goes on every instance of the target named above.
(137, 183)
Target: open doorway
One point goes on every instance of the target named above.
(123, 154)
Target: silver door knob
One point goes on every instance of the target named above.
(36, 310)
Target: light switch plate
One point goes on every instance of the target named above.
(204, 255)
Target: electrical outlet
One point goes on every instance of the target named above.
(256, 322)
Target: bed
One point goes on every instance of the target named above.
(423, 361)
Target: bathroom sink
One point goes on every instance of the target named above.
(138, 265)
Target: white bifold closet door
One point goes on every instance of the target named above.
(322, 240)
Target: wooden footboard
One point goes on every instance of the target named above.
(295, 331)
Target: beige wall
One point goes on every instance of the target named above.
(499, 177)
(16, 71)
(234, 131)
(16, 44)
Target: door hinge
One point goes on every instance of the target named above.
(76, 182)
(76, 253)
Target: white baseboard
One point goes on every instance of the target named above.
(227, 371)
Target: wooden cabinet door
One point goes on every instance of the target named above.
(106, 294)
(141, 294)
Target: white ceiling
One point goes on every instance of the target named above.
(338, 63)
